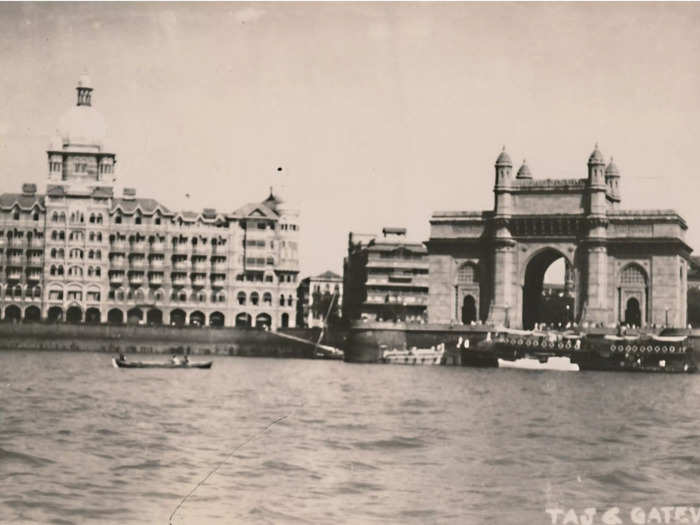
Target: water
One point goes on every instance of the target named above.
(82, 442)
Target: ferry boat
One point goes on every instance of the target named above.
(415, 356)
(663, 354)
(532, 350)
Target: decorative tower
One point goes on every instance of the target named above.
(596, 305)
(502, 305)
(524, 172)
(76, 154)
(612, 181)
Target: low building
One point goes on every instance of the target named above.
(385, 277)
(319, 297)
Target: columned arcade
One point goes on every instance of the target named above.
(621, 266)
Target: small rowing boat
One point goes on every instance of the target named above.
(122, 363)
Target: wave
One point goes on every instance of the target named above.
(8, 456)
(395, 442)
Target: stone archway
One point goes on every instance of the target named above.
(115, 316)
(216, 320)
(54, 314)
(633, 312)
(533, 301)
(32, 314)
(13, 314)
(243, 320)
(92, 316)
(178, 317)
(154, 317)
(468, 309)
(74, 315)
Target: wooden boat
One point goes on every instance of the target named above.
(415, 356)
(120, 363)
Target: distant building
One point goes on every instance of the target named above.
(317, 297)
(694, 273)
(385, 277)
(81, 254)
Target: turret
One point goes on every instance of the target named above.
(612, 181)
(504, 183)
(596, 182)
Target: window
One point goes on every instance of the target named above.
(241, 298)
(269, 279)
(267, 298)
(254, 298)
(118, 219)
(75, 295)
(55, 295)
(281, 300)
(138, 220)
(93, 297)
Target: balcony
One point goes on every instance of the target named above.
(181, 265)
(138, 247)
(199, 280)
(218, 281)
(3, 243)
(182, 248)
(35, 261)
(219, 249)
(137, 264)
(398, 263)
(33, 277)
(158, 247)
(16, 242)
(201, 249)
(200, 266)
(37, 244)
(155, 278)
(16, 260)
(179, 279)
(14, 274)
(116, 277)
(118, 247)
(157, 264)
(136, 278)
(218, 267)
(118, 262)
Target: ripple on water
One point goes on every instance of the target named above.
(397, 442)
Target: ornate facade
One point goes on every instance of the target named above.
(80, 253)
(622, 266)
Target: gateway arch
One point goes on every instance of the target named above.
(621, 266)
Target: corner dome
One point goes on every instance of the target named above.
(504, 159)
(524, 171)
(596, 157)
(612, 170)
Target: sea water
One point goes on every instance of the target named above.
(83, 442)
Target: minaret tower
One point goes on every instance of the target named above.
(502, 304)
(596, 311)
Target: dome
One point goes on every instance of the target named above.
(596, 157)
(524, 171)
(83, 126)
(611, 170)
(503, 159)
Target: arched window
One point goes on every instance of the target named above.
(267, 298)
(241, 298)
(290, 299)
(281, 300)
(254, 298)
(468, 274)
(92, 218)
(118, 219)
(633, 275)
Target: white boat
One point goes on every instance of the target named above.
(563, 364)
(415, 356)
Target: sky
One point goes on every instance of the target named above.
(378, 113)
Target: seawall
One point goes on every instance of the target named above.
(156, 339)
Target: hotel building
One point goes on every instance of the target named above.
(385, 278)
(79, 253)
(319, 296)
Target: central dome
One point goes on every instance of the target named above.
(82, 126)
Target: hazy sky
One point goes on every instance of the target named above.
(379, 113)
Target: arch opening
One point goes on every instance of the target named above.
(177, 317)
(468, 309)
(115, 316)
(74, 315)
(243, 320)
(13, 314)
(92, 316)
(633, 312)
(54, 314)
(154, 317)
(33, 314)
(216, 320)
(547, 293)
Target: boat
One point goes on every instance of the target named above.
(533, 362)
(415, 356)
(649, 353)
(123, 363)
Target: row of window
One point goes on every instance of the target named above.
(74, 271)
(266, 299)
(92, 296)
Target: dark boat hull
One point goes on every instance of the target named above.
(367, 341)
(141, 364)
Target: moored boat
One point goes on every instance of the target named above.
(546, 362)
(122, 363)
(415, 356)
